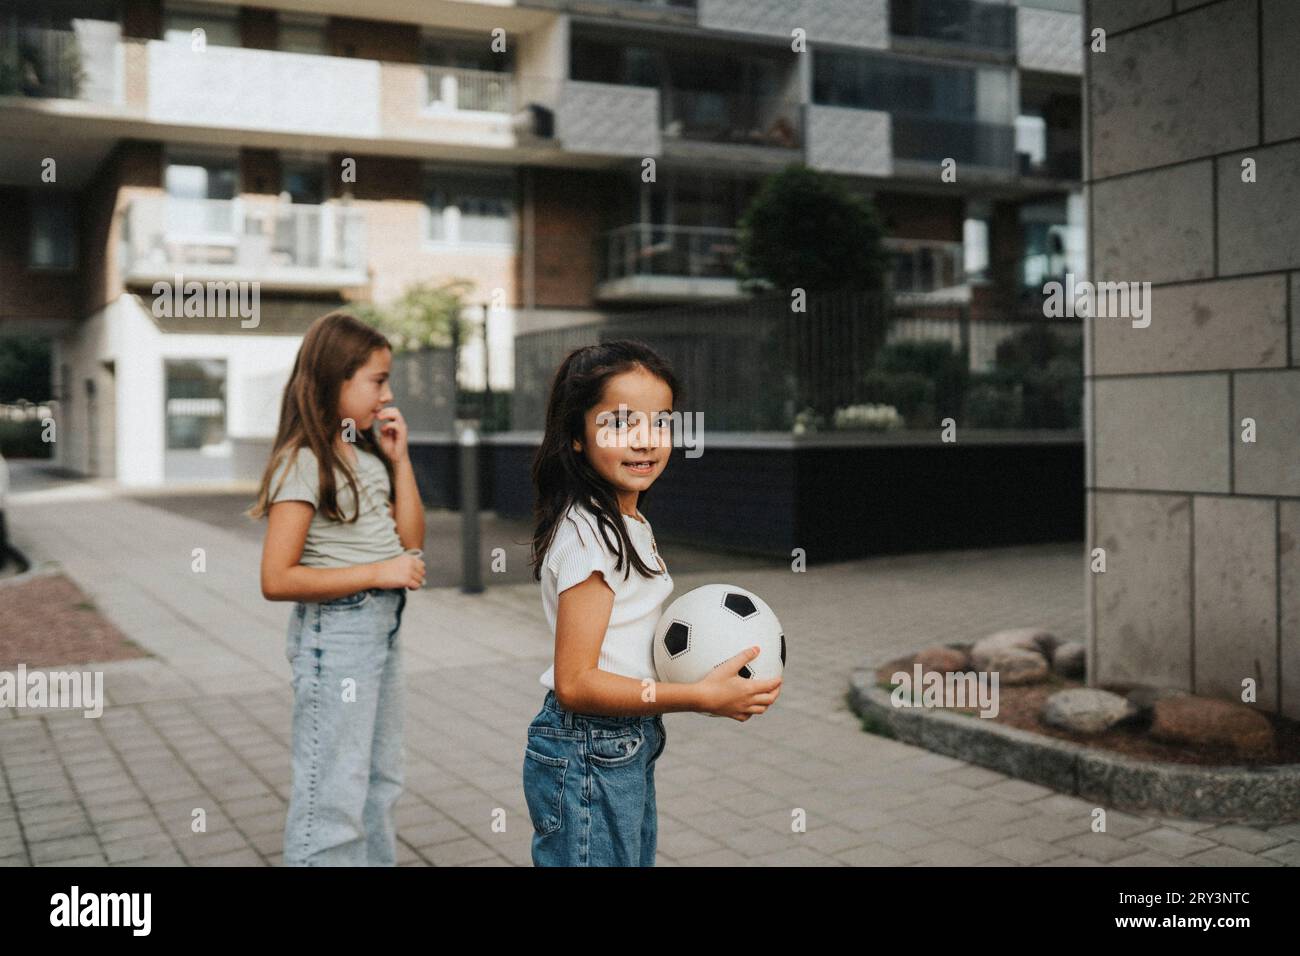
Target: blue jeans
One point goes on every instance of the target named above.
(589, 782)
(347, 730)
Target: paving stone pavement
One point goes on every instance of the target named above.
(204, 723)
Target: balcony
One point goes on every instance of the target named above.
(82, 64)
(232, 87)
(609, 119)
(282, 246)
(926, 139)
(479, 91)
(927, 271)
(733, 119)
(662, 11)
(1062, 158)
(966, 26)
(646, 262)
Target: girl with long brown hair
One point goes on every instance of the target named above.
(344, 529)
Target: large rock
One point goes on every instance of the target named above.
(1013, 665)
(1143, 697)
(1070, 660)
(937, 658)
(1085, 710)
(1022, 638)
(1211, 722)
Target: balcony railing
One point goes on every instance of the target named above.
(286, 244)
(967, 23)
(60, 64)
(716, 117)
(920, 266)
(1062, 159)
(969, 142)
(483, 91)
(646, 249)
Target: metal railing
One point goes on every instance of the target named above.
(648, 249)
(1062, 159)
(164, 232)
(970, 142)
(484, 91)
(968, 23)
(718, 117)
(756, 365)
(921, 265)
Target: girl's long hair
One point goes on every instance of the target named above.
(336, 345)
(562, 476)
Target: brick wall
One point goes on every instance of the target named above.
(921, 217)
(27, 293)
(390, 191)
(1201, 528)
(568, 213)
(142, 19)
(258, 28)
(373, 40)
(134, 168)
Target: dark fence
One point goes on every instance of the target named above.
(757, 365)
(424, 388)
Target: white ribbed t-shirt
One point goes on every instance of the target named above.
(576, 551)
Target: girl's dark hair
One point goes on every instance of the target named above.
(562, 476)
(336, 345)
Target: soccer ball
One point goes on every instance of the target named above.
(705, 627)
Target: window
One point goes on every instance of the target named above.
(897, 85)
(304, 182)
(199, 191)
(196, 404)
(470, 209)
(300, 33)
(220, 27)
(53, 238)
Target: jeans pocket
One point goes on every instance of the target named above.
(293, 639)
(663, 738)
(614, 748)
(349, 601)
(544, 790)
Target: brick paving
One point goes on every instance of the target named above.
(204, 723)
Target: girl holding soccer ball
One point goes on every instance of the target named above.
(589, 761)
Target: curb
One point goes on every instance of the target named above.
(1265, 796)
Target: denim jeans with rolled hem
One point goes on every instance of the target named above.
(347, 730)
(589, 782)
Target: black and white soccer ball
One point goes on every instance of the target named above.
(708, 625)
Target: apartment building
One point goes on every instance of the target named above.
(570, 158)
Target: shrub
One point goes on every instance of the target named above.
(868, 417)
(911, 393)
(991, 405)
(938, 362)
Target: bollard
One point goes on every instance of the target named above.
(471, 577)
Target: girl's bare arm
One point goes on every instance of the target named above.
(284, 579)
(581, 619)
(408, 512)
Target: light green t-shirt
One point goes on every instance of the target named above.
(335, 544)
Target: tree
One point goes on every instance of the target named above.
(423, 316)
(805, 230)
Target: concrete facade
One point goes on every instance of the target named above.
(1195, 419)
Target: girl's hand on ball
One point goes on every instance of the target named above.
(724, 693)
